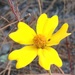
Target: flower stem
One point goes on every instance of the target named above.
(13, 10)
(50, 72)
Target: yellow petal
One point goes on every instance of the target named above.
(59, 35)
(40, 23)
(23, 35)
(14, 55)
(24, 56)
(50, 26)
(47, 57)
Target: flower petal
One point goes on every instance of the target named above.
(50, 26)
(40, 23)
(59, 35)
(23, 35)
(47, 57)
(23, 56)
(14, 55)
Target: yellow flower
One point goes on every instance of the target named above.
(38, 43)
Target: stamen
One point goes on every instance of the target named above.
(39, 41)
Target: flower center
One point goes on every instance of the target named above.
(39, 41)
